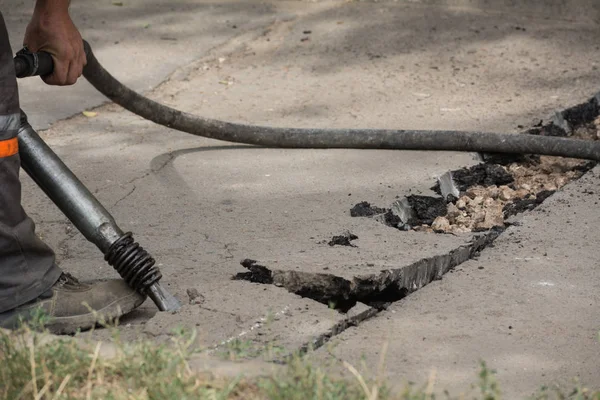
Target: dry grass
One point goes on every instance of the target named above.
(32, 367)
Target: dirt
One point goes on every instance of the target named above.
(344, 239)
(481, 174)
(505, 159)
(257, 273)
(383, 215)
(328, 289)
(550, 173)
(567, 123)
(581, 114)
(426, 209)
(364, 209)
(526, 204)
(391, 219)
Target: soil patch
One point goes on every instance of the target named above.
(479, 175)
(521, 205)
(256, 273)
(364, 209)
(344, 239)
(426, 209)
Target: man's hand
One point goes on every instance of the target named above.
(52, 30)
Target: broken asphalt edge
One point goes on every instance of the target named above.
(374, 293)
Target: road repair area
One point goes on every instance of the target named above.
(347, 253)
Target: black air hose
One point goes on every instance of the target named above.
(332, 138)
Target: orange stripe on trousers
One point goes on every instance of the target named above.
(9, 147)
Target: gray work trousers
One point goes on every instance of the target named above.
(27, 267)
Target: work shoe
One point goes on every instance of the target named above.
(70, 305)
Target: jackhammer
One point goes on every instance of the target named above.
(131, 261)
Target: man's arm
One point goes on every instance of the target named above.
(52, 30)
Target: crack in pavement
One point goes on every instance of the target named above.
(258, 324)
(322, 339)
(63, 246)
(376, 290)
(124, 197)
(373, 292)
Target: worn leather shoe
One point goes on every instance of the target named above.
(71, 305)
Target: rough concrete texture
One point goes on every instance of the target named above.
(202, 206)
(526, 306)
(391, 65)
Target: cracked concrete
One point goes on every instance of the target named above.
(200, 206)
(527, 307)
(369, 279)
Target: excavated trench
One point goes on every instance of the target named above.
(479, 201)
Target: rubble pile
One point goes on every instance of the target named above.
(480, 208)
(483, 196)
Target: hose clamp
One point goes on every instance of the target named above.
(31, 58)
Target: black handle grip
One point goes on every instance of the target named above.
(41, 63)
(32, 64)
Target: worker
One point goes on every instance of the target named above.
(30, 280)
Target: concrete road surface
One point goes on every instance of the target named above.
(201, 206)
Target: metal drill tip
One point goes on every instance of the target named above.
(164, 300)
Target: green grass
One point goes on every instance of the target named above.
(32, 368)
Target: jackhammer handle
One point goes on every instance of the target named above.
(40, 63)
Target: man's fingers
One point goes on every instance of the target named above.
(51, 29)
(76, 66)
(75, 70)
(68, 55)
(67, 73)
(82, 57)
(58, 75)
